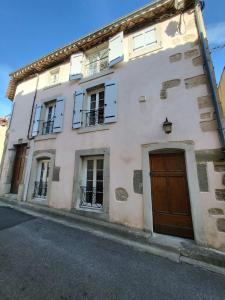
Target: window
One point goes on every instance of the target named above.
(49, 118)
(54, 76)
(92, 187)
(145, 38)
(95, 108)
(96, 62)
(41, 183)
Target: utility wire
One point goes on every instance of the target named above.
(219, 47)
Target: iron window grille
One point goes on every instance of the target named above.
(47, 127)
(40, 189)
(97, 64)
(91, 198)
(93, 117)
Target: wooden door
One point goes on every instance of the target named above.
(18, 167)
(170, 196)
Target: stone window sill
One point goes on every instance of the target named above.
(41, 201)
(51, 86)
(92, 129)
(98, 75)
(45, 137)
(136, 54)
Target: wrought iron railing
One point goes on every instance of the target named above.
(47, 127)
(91, 198)
(96, 66)
(93, 117)
(40, 189)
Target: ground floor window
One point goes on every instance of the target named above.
(92, 188)
(41, 182)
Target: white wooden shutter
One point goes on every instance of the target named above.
(110, 102)
(116, 49)
(58, 116)
(138, 41)
(150, 36)
(76, 61)
(78, 105)
(36, 120)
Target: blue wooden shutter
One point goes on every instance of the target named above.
(76, 62)
(58, 116)
(36, 120)
(116, 52)
(78, 105)
(110, 102)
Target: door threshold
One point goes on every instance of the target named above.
(169, 242)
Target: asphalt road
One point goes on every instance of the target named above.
(40, 259)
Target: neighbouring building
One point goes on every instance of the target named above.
(221, 90)
(3, 130)
(124, 125)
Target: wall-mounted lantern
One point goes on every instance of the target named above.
(167, 126)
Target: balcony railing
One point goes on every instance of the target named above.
(91, 198)
(40, 189)
(93, 117)
(47, 127)
(96, 66)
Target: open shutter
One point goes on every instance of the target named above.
(36, 120)
(110, 102)
(58, 116)
(76, 66)
(78, 105)
(116, 49)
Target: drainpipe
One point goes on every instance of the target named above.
(31, 146)
(32, 110)
(208, 65)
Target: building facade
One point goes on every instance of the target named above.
(3, 130)
(221, 90)
(120, 125)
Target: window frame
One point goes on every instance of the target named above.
(51, 73)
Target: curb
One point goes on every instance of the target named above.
(186, 252)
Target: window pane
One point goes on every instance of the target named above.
(138, 41)
(100, 175)
(100, 164)
(99, 186)
(90, 164)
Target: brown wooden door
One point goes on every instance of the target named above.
(18, 167)
(170, 196)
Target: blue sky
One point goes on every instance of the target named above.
(31, 29)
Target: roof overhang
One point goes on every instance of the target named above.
(151, 13)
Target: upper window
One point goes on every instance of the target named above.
(96, 62)
(144, 41)
(54, 76)
(95, 108)
(49, 118)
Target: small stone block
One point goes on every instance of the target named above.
(175, 57)
(215, 211)
(121, 194)
(202, 177)
(195, 81)
(138, 182)
(221, 225)
(56, 171)
(220, 194)
(163, 94)
(191, 53)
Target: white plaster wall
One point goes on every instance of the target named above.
(138, 123)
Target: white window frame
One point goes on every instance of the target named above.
(54, 73)
(90, 53)
(84, 176)
(145, 49)
(87, 105)
(47, 106)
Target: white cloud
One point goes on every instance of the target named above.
(5, 105)
(216, 33)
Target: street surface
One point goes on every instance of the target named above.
(44, 260)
